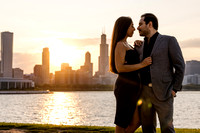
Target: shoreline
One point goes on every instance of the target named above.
(25, 92)
(48, 128)
(71, 88)
(65, 90)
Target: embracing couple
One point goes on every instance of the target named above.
(149, 76)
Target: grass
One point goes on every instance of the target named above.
(48, 128)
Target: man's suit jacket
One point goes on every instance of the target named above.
(168, 66)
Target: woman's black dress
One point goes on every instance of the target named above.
(127, 89)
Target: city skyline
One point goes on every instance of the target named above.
(70, 29)
(97, 70)
(67, 76)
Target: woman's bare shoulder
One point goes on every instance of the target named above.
(120, 45)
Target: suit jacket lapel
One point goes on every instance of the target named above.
(140, 51)
(156, 44)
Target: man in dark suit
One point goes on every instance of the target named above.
(162, 79)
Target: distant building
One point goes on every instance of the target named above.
(85, 73)
(69, 74)
(66, 76)
(103, 58)
(192, 67)
(191, 79)
(6, 54)
(65, 66)
(12, 83)
(18, 73)
(41, 72)
(45, 66)
(10, 78)
(103, 75)
(83, 77)
(88, 65)
(60, 78)
(30, 76)
(38, 74)
(51, 78)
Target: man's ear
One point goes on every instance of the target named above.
(150, 24)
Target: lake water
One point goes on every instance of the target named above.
(86, 108)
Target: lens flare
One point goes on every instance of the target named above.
(139, 102)
(149, 105)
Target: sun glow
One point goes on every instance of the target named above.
(61, 52)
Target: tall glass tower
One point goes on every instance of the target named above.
(88, 65)
(45, 66)
(6, 54)
(103, 58)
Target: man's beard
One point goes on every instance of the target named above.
(144, 32)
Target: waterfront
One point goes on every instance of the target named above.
(86, 108)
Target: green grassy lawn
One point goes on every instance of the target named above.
(47, 128)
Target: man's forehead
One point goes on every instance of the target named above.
(141, 20)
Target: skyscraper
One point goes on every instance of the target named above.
(65, 66)
(38, 74)
(45, 66)
(10, 78)
(103, 58)
(6, 54)
(88, 65)
(66, 76)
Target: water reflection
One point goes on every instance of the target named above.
(86, 108)
(59, 109)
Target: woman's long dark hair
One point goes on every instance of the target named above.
(119, 32)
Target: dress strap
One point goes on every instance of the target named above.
(128, 45)
(131, 46)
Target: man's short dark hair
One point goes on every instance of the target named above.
(151, 17)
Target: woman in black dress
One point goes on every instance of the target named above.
(124, 61)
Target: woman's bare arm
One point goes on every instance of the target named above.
(120, 52)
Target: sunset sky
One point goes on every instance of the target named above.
(70, 28)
